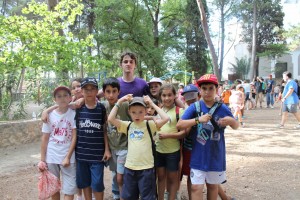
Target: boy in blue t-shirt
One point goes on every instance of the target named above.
(92, 148)
(208, 162)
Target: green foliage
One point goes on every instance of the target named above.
(293, 34)
(273, 50)
(40, 41)
(269, 23)
(196, 50)
(5, 107)
(241, 67)
(149, 28)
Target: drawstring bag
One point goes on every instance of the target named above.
(48, 183)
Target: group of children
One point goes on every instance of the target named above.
(140, 138)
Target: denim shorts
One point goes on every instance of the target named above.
(117, 161)
(168, 160)
(139, 183)
(90, 175)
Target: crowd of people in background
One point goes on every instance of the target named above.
(151, 134)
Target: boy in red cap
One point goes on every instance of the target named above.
(58, 143)
(208, 163)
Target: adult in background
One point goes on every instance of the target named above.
(128, 82)
(259, 91)
(246, 86)
(270, 92)
(290, 100)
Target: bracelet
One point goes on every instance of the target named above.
(197, 120)
(117, 105)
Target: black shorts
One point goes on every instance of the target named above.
(168, 160)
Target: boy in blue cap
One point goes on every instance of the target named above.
(92, 148)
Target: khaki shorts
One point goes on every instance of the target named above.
(291, 108)
(68, 174)
(199, 177)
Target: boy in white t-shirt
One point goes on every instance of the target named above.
(58, 143)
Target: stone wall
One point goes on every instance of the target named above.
(20, 132)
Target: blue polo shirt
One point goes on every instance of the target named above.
(208, 152)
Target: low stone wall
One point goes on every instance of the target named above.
(20, 132)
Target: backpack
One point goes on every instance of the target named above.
(152, 141)
(212, 110)
(263, 85)
(153, 150)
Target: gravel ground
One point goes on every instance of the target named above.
(263, 162)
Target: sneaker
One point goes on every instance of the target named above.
(166, 195)
(178, 196)
(243, 124)
(297, 127)
(79, 198)
(279, 126)
(272, 107)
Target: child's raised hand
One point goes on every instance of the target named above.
(127, 97)
(147, 100)
(205, 118)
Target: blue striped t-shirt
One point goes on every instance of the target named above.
(90, 133)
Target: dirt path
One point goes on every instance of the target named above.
(263, 162)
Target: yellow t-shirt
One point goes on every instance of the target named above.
(139, 155)
(169, 145)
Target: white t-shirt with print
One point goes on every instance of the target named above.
(60, 128)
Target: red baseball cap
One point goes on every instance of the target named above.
(61, 88)
(208, 78)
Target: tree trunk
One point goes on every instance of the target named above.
(208, 39)
(222, 37)
(253, 64)
(21, 80)
(64, 73)
(91, 21)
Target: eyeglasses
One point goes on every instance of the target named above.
(128, 61)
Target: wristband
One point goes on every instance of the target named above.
(117, 105)
(197, 120)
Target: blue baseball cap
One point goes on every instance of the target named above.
(89, 81)
(190, 88)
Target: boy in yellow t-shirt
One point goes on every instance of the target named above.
(139, 165)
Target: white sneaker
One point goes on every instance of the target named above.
(279, 126)
(79, 197)
(272, 106)
(166, 195)
(297, 127)
(178, 196)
